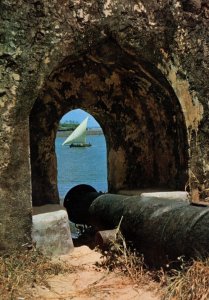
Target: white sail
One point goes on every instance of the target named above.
(78, 136)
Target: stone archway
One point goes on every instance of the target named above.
(137, 109)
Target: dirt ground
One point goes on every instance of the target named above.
(90, 282)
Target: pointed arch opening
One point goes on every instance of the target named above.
(76, 162)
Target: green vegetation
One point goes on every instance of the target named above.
(68, 126)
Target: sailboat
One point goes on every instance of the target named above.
(78, 137)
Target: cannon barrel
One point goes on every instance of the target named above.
(157, 227)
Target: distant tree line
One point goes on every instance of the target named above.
(68, 125)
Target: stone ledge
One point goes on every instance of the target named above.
(51, 230)
(157, 193)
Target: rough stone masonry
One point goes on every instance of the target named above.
(139, 67)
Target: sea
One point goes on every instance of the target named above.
(79, 165)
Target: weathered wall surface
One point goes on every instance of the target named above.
(168, 45)
(140, 116)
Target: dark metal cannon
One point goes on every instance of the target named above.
(158, 227)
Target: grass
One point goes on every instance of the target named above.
(123, 259)
(21, 271)
(189, 280)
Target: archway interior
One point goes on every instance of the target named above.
(78, 165)
(137, 109)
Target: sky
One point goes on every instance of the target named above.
(78, 115)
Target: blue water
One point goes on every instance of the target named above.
(82, 165)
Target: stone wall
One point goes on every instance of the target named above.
(139, 67)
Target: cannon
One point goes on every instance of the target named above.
(159, 228)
